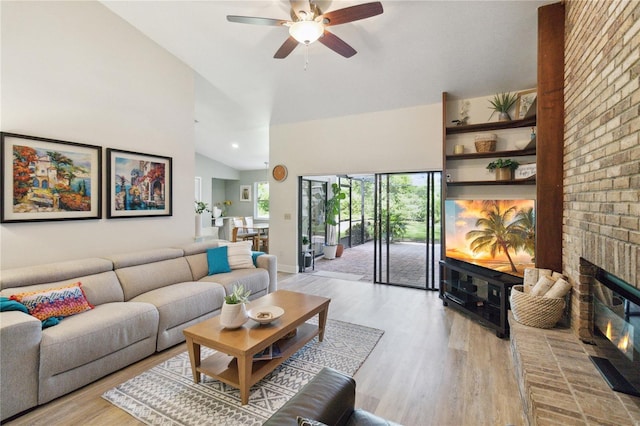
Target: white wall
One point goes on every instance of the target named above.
(401, 140)
(211, 172)
(75, 71)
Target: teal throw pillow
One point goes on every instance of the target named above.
(217, 260)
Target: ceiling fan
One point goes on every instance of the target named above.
(309, 24)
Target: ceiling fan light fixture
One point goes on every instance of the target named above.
(306, 32)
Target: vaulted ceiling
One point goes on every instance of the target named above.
(407, 56)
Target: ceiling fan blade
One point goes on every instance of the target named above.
(336, 44)
(286, 48)
(353, 13)
(256, 21)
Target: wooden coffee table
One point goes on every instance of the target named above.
(233, 364)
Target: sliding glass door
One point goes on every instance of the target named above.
(313, 198)
(407, 229)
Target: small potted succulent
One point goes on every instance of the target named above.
(234, 311)
(503, 168)
(502, 103)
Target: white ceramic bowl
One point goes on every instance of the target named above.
(265, 314)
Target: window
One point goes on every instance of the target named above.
(262, 200)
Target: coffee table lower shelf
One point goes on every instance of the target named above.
(225, 367)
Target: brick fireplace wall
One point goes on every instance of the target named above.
(601, 147)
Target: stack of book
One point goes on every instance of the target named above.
(270, 352)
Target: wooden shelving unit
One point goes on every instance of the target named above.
(498, 125)
(493, 182)
(495, 154)
(548, 153)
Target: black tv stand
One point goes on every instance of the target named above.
(479, 292)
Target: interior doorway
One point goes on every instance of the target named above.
(389, 225)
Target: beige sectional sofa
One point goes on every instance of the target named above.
(142, 302)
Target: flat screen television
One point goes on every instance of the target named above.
(494, 234)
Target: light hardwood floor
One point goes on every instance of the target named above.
(432, 366)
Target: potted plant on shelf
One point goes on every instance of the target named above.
(201, 207)
(503, 168)
(502, 103)
(332, 212)
(305, 243)
(234, 311)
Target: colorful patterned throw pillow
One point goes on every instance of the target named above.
(55, 302)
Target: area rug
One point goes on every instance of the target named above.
(166, 394)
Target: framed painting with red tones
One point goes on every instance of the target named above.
(138, 185)
(48, 179)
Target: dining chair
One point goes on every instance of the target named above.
(240, 231)
(263, 241)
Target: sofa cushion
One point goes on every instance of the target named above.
(98, 289)
(329, 398)
(55, 302)
(255, 280)
(363, 417)
(85, 337)
(20, 336)
(53, 272)
(217, 261)
(125, 260)
(199, 265)
(239, 254)
(179, 305)
(199, 247)
(139, 279)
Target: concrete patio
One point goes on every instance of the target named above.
(407, 261)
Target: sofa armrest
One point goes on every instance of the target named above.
(270, 263)
(328, 398)
(20, 336)
(365, 418)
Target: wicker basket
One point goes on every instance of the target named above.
(486, 142)
(535, 311)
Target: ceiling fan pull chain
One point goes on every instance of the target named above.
(306, 56)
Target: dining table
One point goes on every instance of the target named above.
(261, 229)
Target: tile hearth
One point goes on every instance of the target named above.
(560, 385)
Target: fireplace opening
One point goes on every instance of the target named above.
(616, 308)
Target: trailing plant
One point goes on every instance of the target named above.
(201, 207)
(502, 102)
(503, 164)
(239, 295)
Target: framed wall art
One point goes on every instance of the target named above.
(48, 179)
(138, 185)
(526, 104)
(245, 192)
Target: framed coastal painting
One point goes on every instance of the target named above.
(138, 185)
(47, 179)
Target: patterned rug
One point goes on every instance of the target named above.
(166, 394)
